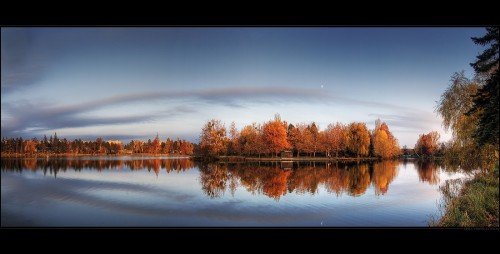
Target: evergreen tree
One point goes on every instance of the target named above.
(486, 99)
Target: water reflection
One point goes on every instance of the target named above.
(275, 181)
(428, 171)
(55, 165)
(272, 179)
(383, 174)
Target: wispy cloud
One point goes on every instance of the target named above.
(25, 115)
(21, 66)
(27, 118)
(412, 120)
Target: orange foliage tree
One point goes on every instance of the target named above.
(358, 140)
(29, 146)
(384, 143)
(304, 139)
(274, 133)
(334, 138)
(233, 146)
(293, 137)
(250, 140)
(156, 145)
(185, 148)
(315, 138)
(427, 144)
(213, 140)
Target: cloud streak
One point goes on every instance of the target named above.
(413, 120)
(28, 118)
(25, 115)
(21, 66)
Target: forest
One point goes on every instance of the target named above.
(54, 146)
(275, 136)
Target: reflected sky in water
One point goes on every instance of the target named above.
(179, 192)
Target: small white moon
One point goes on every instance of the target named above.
(321, 86)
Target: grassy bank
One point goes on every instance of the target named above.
(476, 205)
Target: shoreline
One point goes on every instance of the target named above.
(218, 158)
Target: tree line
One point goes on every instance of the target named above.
(56, 145)
(276, 136)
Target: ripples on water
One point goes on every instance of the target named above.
(131, 191)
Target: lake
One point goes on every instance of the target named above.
(178, 192)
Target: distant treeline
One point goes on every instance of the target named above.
(55, 145)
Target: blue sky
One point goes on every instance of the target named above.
(135, 82)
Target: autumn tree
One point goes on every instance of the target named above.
(384, 143)
(98, 146)
(335, 138)
(250, 140)
(233, 147)
(29, 146)
(293, 137)
(213, 139)
(115, 148)
(315, 140)
(155, 145)
(275, 137)
(185, 147)
(304, 139)
(169, 144)
(358, 141)
(427, 144)
(136, 146)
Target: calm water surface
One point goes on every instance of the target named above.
(127, 191)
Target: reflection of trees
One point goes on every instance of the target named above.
(427, 171)
(213, 179)
(359, 179)
(54, 165)
(383, 174)
(338, 180)
(275, 183)
(271, 180)
(306, 179)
